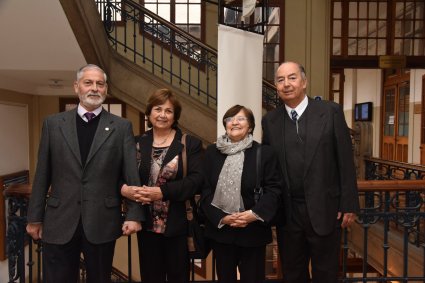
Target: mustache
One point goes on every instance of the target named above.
(93, 94)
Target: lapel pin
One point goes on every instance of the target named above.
(106, 129)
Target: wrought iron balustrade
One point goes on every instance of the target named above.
(372, 250)
(167, 51)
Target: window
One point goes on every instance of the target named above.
(378, 27)
(186, 14)
(112, 10)
(272, 28)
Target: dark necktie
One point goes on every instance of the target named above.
(89, 115)
(294, 115)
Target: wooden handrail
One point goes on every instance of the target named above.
(18, 190)
(390, 185)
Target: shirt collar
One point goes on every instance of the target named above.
(300, 107)
(81, 111)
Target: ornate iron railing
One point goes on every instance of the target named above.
(167, 51)
(380, 247)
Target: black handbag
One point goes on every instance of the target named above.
(198, 245)
(258, 190)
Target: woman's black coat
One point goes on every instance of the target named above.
(178, 190)
(256, 233)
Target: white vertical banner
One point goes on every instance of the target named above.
(240, 74)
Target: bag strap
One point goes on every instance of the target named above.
(258, 167)
(189, 208)
(258, 190)
(184, 155)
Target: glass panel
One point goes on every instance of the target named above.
(407, 47)
(362, 29)
(397, 28)
(335, 81)
(195, 14)
(164, 11)
(352, 28)
(181, 14)
(382, 46)
(372, 29)
(337, 28)
(352, 47)
(336, 97)
(398, 46)
(363, 10)
(419, 10)
(403, 111)
(419, 47)
(408, 28)
(371, 47)
(352, 14)
(336, 48)
(362, 47)
(389, 112)
(419, 29)
(382, 31)
(195, 30)
(337, 10)
(399, 10)
(152, 7)
(373, 10)
(382, 10)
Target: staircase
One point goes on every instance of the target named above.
(131, 82)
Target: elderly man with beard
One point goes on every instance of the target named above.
(85, 155)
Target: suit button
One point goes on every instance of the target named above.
(79, 202)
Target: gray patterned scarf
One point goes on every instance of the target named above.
(227, 196)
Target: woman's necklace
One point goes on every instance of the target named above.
(164, 141)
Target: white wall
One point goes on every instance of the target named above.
(415, 119)
(364, 85)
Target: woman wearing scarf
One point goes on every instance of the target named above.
(237, 225)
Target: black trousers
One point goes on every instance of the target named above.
(61, 262)
(163, 259)
(299, 244)
(249, 260)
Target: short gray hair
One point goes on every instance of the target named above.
(89, 67)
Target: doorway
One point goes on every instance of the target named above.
(395, 128)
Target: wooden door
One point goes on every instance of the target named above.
(396, 122)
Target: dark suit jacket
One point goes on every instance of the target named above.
(329, 175)
(92, 192)
(180, 189)
(257, 233)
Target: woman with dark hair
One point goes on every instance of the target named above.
(163, 251)
(237, 224)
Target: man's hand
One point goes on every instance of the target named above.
(35, 230)
(347, 220)
(130, 227)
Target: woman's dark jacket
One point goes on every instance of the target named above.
(257, 233)
(180, 189)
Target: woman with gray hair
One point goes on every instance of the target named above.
(237, 219)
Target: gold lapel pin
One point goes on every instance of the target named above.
(106, 129)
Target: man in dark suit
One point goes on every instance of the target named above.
(313, 143)
(75, 207)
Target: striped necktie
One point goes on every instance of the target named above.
(294, 115)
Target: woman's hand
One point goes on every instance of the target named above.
(149, 194)
(240, 219)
